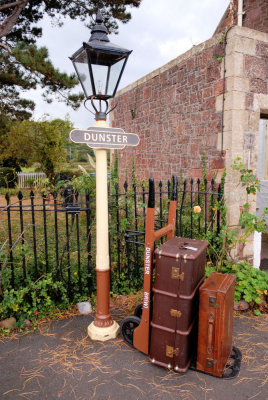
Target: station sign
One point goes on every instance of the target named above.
(104, 138)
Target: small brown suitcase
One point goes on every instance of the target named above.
(179, 271)
(215, 326)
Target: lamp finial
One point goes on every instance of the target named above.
(99, 31)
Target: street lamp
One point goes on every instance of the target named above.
(99, 65)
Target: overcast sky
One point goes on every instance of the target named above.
(159, 31)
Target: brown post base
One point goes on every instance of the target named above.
(103, 328)
(103, 317)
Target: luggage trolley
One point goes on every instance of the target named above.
(136, 329)
(143, 330)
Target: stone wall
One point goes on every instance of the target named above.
(173, 110)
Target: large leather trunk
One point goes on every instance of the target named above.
(179, 272)
(215, 328)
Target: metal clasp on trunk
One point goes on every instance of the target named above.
(171, 352)
(175, 313)
(212, 302)
(210, 362)
(175, 274)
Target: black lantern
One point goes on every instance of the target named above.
(99, 64)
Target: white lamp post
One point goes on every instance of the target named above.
(99, 65)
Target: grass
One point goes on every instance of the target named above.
(29, 169)
(12, 192)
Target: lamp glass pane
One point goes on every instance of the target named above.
(81, 64)
(100, 78)
(114, 75)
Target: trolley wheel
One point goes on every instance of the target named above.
(127, 327)
(138, 311)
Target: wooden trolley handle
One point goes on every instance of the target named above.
(141, 333)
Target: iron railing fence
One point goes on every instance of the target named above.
(56, 234)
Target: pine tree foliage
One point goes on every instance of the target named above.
(24, 66)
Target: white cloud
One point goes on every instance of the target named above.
(172, 48)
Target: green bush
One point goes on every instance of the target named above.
(82, 157)
(8, 177)
(34, 301)
(67, 175)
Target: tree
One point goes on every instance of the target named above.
(44, 142)
(7, 161)
(23, 65)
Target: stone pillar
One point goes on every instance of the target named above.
(242, 108)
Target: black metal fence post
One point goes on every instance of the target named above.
(144, 206)
(20, 197)
(136, 228)
(127, 242)
(160, 207)
(68, 254)
(78, 247)
(34, 235)
(181, 207)
(117, 194)
(10, 241)
(89, 256)
(198, 201)
(206, 205)
(56, 235)
(168, 188)
(191, 208)
(212, 204)
(45, 231)
(219, 198)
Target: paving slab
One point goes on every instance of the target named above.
(59, 361)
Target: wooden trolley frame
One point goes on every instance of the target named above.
(141, 334)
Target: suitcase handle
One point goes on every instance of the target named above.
(211, 321)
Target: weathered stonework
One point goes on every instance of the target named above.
(246, 99)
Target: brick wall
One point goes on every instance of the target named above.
(173, 112)
(255, 16)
